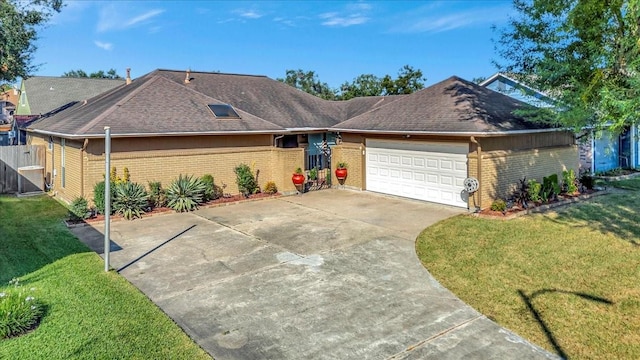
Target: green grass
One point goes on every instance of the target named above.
(89, 314)
(567, 281)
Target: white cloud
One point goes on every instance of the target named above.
(103, 45)
(353, 14)
(113, 18)
(250, 14)
(438, 21)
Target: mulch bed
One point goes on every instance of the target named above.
(538, 206)
(222, 201)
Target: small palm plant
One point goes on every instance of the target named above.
(130, 200)
(20, 311)
(185, 193)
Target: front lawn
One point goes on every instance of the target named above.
(89, 314)
(568, 281)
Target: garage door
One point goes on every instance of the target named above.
(428, 171)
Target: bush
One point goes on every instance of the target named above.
(130, 200)
(270, 188)
(157, 196)
(499, 205)
(185, 193)
(521, 195)
(209, 187)
(569, 181)
(247, 184)
(586, 179)
(550, 188)
(534, 190)
(313, 174)
(98, 196)
(20, 311)
(79, 209)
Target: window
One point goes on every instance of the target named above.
(62, 177)
(50, 143)
(223, 111)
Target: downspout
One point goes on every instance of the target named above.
(82, 150)
(275, 140)
(593, 153)
(479, 169)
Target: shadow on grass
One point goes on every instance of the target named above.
(615, 214)
(32, 235)
(528, 301)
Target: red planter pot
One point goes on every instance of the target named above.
(298, 179)
(341, 174)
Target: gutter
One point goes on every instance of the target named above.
(451, 133)
(479, 169)
(137, 135)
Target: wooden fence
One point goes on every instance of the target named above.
(13, 158)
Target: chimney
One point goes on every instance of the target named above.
(188, 78)
(128, 79)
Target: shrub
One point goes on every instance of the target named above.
(247, 184)
(130, 200)
(499, 205)
(157, 196)
(98, 195)
(209, 187)
(534, 190)
(586, 179)
(185, 193)
(569, 181)
(313, 174)
(521, 195)
(20, 311)
(550, 188)
(79, 209)
(270, 188)
(341, 165)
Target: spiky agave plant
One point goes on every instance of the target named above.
(130, 200)
(185, 193)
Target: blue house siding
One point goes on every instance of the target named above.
(605, 156)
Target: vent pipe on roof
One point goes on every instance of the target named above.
(187, 79)
(128, 79)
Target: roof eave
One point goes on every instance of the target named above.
(138, 135)
(451, 133)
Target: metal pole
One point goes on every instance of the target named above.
(107, 196)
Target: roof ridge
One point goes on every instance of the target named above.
(211, 73)
(117, 104)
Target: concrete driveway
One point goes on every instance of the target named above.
(327, 275)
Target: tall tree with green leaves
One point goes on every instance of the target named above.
(308, 82)
(363, 85)
(409, 80)
(19, 23)
(111, 74)
(584, 53)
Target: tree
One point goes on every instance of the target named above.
(19, 21)
(111, 74)
(363, 85)
(309, 83)
(409, 81)
(585, 54)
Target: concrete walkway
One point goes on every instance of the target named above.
(326, 275)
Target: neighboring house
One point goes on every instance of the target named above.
(44, 95)
(8, 100)
(420, 146)
(598, 151)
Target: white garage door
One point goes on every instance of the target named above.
(428, 171)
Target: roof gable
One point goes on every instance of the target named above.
(507, 85)
(47, 93)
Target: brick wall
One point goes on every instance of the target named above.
(351, 153)
(502, 170)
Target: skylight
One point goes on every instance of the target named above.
(223, 111)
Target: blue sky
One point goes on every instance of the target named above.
(339, 40)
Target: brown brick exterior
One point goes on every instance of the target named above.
(502, 170)
(153, 160)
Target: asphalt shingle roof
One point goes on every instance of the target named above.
(161, 103)
(48, 93)
(150, 105)
(450, 106)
